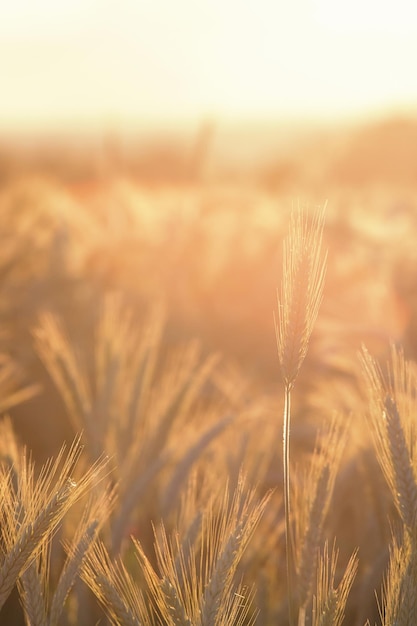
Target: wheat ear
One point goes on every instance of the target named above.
(70, 571)
(214, 594)
(196, 584)
(319, 489)
(112, 585)
(392, 407)
(33, 509)
(32, 593)
(301, 292)
(403, 474)
(330, 602)
(30, 538)
(399, 600)
(174, 604)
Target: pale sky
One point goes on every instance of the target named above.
(107, 61)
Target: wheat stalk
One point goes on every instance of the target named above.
(298, 304)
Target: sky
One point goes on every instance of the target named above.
(107, 62)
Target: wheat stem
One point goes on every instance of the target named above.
(302, 616)
(287, 502)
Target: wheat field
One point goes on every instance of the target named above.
(208, 392)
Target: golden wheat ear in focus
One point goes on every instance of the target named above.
(304, 267)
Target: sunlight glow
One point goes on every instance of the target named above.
(367, 16)
(164, 59)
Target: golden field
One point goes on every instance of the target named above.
(138, 294)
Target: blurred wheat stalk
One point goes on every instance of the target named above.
(392, 418)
